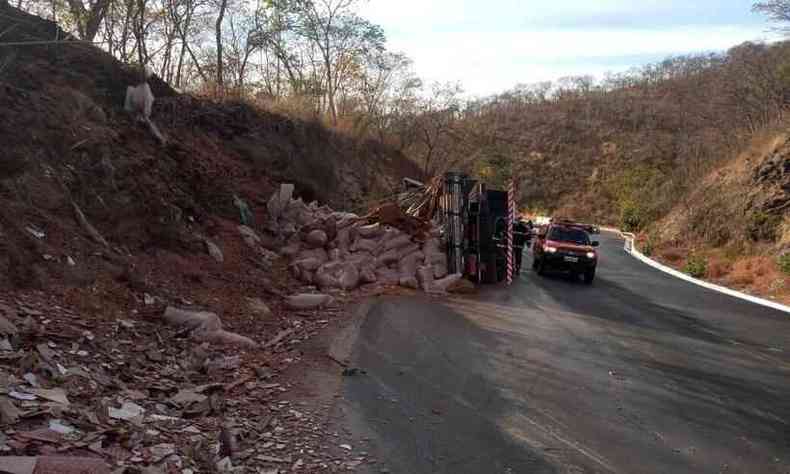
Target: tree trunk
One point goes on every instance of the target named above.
(88, 21)
(182, 30)
(139, 32)
(220, 17)
(243, 68)
(330, 82)
(180, 64)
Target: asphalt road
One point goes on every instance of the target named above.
(638, 373)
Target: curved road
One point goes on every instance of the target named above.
(638, 373)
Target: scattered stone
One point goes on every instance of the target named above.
(273, 459)
(128, 411)
(31, 379)
(57, 395)
(58, 427)
(258, 307)
(9, 413)
(225, 465)
(52, 465)
(160, 452)
(7, 328)
(214, 251)
(35, 232)
(186, 397)
(249, 236)
(154, 355)
(22, 396)
(222, 363)
(308, 301)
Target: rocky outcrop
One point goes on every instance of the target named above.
(772, 179)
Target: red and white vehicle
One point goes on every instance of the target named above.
(565, 247)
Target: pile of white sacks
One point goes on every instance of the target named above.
(337, 250)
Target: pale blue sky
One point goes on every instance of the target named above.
(489, 46)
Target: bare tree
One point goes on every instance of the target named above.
(88, 17)
(777, 11)
(218, 30)
(342, 37)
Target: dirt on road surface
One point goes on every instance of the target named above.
(638, 373)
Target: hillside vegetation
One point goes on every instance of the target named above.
(623, 151)
(691, 152)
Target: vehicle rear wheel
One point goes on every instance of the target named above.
(589, 276)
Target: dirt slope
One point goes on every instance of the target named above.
(735, 220)
(67, 139)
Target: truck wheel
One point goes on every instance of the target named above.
(589, 276)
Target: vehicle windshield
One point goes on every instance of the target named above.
(577, 236)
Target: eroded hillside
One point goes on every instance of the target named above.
(67, 143)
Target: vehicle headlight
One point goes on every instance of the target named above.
(550, 249)
(590, 255)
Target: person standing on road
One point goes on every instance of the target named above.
(520, 238)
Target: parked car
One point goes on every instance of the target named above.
(589, 228)
(565, 247)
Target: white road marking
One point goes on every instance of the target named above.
(631, 249)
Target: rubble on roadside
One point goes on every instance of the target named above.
(134, 395)
(174, 386)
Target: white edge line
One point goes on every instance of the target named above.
(631, 249)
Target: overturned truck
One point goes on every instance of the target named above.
(428, 237)
(474, 221)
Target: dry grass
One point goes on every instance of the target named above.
(672, 255)
(718, 268)
(760, 273)
(784, 232)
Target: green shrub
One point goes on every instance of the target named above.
(696, 266)
(763, 226)
(784, 263)
(631, 218)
